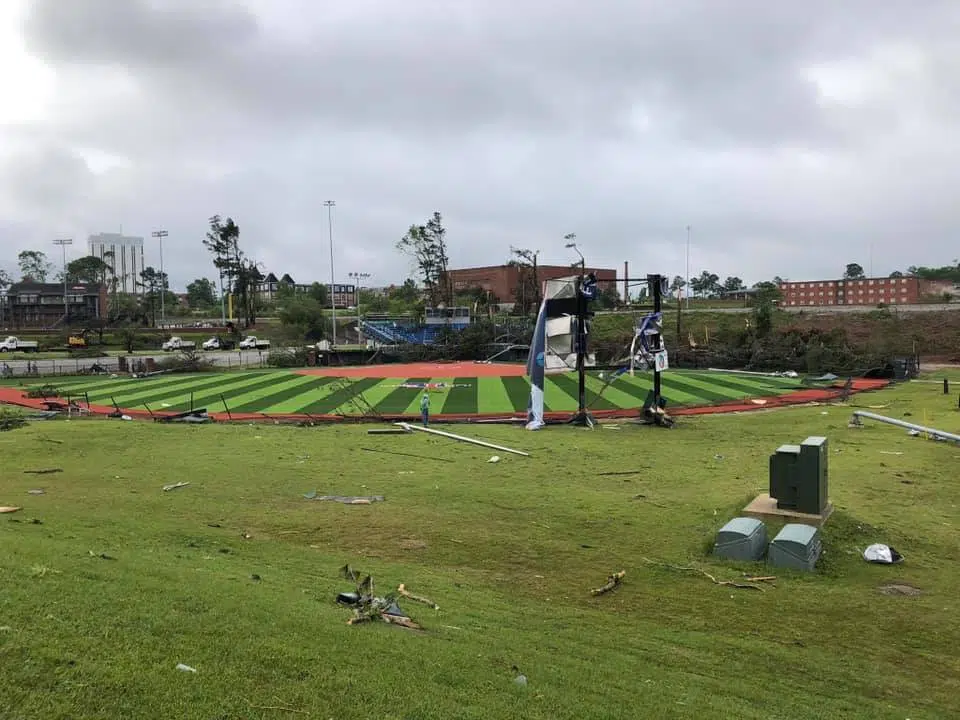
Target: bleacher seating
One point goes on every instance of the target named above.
(391, 332)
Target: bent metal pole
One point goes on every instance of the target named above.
(900, 423)
(408, 427)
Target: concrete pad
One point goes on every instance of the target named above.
(764, 507)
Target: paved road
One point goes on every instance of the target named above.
(18, 362)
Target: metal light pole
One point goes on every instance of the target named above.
(358, 277)
(63, 246)
(329, 204)
(687, 283)
(582, 417)
(160, 235)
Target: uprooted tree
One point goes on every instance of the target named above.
(427, 246)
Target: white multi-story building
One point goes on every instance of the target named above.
(124, 254)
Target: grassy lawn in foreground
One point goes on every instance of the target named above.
(508, 550)
(275, 392)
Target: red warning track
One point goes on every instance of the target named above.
(15, 396)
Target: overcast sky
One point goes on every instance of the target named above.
(793, 137)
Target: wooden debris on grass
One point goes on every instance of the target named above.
(730, 583)
(45, 471)
(403, 592)
(168, 488)
(613, 581)
(368, 607)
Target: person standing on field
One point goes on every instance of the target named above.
(425, 407)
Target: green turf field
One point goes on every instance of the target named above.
(276, 392)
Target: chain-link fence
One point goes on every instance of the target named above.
(123, 364)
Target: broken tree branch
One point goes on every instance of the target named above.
(402, 590)
(683, 568)
(612, 582)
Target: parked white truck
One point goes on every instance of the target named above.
(14, 344)
(252, 343)
(178, 343)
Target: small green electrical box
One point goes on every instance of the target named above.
(796, 546)
(798, 476)
(741, 539)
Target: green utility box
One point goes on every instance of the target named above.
(798, 476)
(741, 539)
(797, 547)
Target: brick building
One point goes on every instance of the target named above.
(861, 291)
(40, 305)
(268, 289)
(502, 280)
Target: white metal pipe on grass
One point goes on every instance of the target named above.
(461, 438)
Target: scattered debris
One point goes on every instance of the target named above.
(613, 581)
(462, 438)
(284, 708)
(900, 589)
(185, 668)
(102, 556)
(9, 509)
(346, 499)
(521, 680)
(256, 578)
(494, 459)
(11, 419)
(403, 454)
(718, 457)
(858, 415)
(402, 590)
(246, 536)
(890, 452)
(762, 578)
(388, 431)
(882, 554)
(45, 471)
(168, 488)
(621, 472)
(368, 607)
(36, 491)
(681, 568)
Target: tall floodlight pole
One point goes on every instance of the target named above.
(329, 204)
(582, 417)
(687, 283)
(358, 278)
(63, 246)
(160, 235)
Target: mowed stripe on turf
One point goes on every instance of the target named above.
(230, 389)
(462, 398)
(329, 404)
(179, 399)
(291, 402)
(397, 401)
(237, 395)
(157, 392)
(518, 390)
(438, 398)
(639, 385)
(264, 401)
(116, 386)
(568, 383)
(492, 397)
